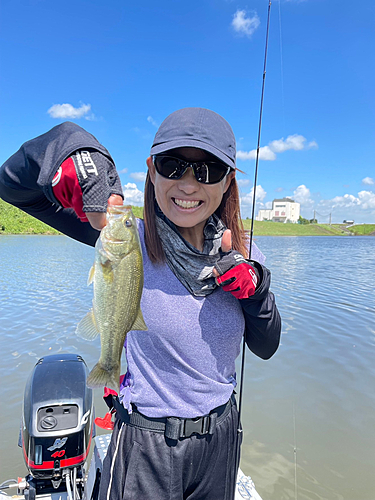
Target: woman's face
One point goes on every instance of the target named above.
(187, 202)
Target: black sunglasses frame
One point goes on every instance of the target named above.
(183, 165)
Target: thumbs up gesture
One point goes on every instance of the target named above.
(233, 272)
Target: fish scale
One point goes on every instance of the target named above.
(117, 275)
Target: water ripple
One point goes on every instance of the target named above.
(308, 413)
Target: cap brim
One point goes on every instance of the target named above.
(192, 143)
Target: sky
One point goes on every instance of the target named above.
(119, 68)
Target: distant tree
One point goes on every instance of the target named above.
(302, 220)
(313, 221)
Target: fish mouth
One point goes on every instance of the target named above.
(114, 240)
(118, 209)
(108, 238)
(187, 204)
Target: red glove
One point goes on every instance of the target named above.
(67, 190)
(85, 181)
(238, 276)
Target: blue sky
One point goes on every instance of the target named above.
(119, 68)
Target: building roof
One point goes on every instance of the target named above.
(285, 199)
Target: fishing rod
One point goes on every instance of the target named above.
(239, 430)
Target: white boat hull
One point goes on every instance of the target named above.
(245, 489)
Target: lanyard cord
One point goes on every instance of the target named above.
(239, 430)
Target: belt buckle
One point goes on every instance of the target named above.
(199, 425)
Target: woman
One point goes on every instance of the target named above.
(175, 435)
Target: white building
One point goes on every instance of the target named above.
(283, 210)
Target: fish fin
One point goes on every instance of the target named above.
(87, 328)
(101, 377)
(107, 270)
(90, 279)
(139, 323)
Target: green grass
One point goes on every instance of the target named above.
(266, 228)
(138, 212)
(363, 230)
(14, 221)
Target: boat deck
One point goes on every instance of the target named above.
(245, 489)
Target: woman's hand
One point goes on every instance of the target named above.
(233, 272)
(99, 219)
(88, 182)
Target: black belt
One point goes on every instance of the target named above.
(174, 427)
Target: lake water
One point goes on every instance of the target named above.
(308, 412)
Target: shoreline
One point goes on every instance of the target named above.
(279, 232)
(14, 221)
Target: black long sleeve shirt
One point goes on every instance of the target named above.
(26, 182)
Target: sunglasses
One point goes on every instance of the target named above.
(206, 172)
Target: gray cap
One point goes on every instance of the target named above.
(197, 128)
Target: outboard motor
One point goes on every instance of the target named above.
(57, 425)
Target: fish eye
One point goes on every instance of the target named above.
(128, 223)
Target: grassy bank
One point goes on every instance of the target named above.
(279, 229)
(14, 221)
(363, 229)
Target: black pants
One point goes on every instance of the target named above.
(145, 465)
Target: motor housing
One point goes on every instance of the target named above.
(57, 417)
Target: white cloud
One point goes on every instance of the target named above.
(360, 208)
(243, 24)
(260, 193)
(265, 153)
(152, 121)
(367, 199)
(247, 199)
(138, 176)
(123, 171)
(348, 200)
(302, 195)
(132, 195)
(65, 111)
(243, 182)
(368, 181)
(294, 142)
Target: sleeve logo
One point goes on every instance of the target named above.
(85, 164)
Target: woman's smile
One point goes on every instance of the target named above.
(186, 204)
(185, 201)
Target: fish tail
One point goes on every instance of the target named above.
(102, 377)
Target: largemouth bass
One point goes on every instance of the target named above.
(117, 275)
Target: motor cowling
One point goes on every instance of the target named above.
(57, 416)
